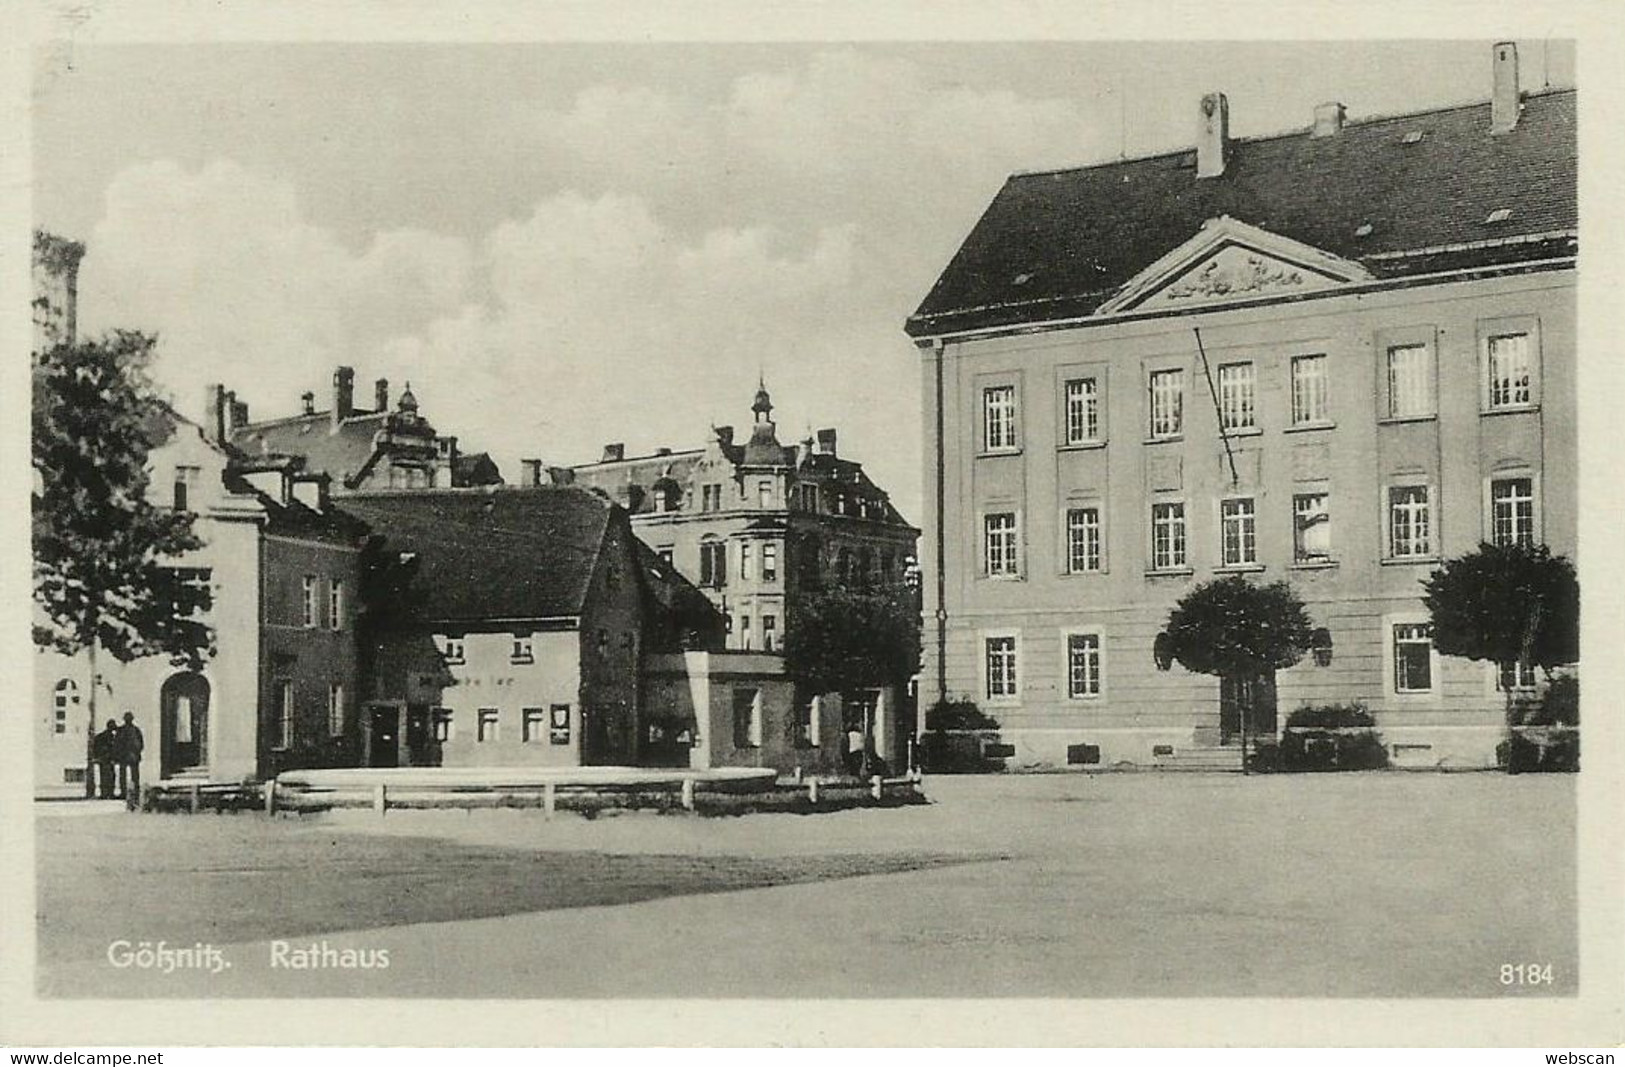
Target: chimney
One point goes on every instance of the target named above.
(1213, 139)
(561, 475)
(343, 395)
(662, 451)
(214, 412)
(1504, 99)
(614, 453)
(380, 394)
(826, 442)
(725, 435)
(309, 400)
(1329, 120)
(239, 413)
(532, 476)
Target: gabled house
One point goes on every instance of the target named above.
(517, 628)
(359, 448)
(1336, 356)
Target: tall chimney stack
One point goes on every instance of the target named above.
(343, 395)
(1329, 120)
(1504, 98)
(380, 395)
(1213, 137)
(532, 476)
(826, 442)
(309, 401)
(614, 453)
(214, 412)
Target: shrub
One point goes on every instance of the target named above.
(1558, 706)
(958, 715)
(1264, 756)
(1331, 737)
(1554, 749)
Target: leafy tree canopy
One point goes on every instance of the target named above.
(1232, 628)
(840, 640)
(101, 550)
(1506, 603)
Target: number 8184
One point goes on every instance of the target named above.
(1526, 974)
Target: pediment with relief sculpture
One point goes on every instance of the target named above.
(1229, 261)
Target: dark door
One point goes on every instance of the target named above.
(420, 746)
(1250, 698)
(183, 724)
(596, 749)
(383, 725)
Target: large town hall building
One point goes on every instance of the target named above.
(1337, 357)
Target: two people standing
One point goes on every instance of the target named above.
(120, 746)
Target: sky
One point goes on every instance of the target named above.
(564, 245)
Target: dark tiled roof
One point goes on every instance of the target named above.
(498, 553)
(340, 454)
(475, 468)
(1059, 244)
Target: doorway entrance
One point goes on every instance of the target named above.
(183, 724)
(383, 735)
(1249, 700)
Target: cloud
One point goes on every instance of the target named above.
(783, 223)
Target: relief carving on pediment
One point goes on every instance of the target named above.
(1235, 275)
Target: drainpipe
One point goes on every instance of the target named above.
(940, 351)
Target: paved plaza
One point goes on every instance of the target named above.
(1127, 885)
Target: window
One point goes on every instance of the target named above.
(1082, 540)
(1001, 667)
(1410, 381)
(1082, 411)
(764, 493)
(559, 728)
(335, 605)
(308, 604)
(666, 554)
(1510, 368)
(186, 479)
(770, 562)
(1413, 658)
(809, 723)
(1082, 666)
(603, 641)
(533, 725)
(452, 650)
(488, 723)
(183, 719)
(1409, 530)
(770, 632)
(1513, 676)
(1512, 511)
(1238, 532)
(1311, 528)
(746, 570)
(1167, 536)
(711, 498)
(64, 700)
(1237, 410)
(1167, 403)
(999, 545)
(522, 651)
(747, 721)
(999, 418)
(807, 497)
(335, 709)
(443, 725)
(284, 715)
(1310, 389)
(713, 564)
(745, 640)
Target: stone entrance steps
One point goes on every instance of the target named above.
(1210, 759)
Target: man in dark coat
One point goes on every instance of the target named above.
(130, 744)
(105, 748)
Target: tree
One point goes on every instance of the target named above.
(1506, 604)
(1239, 632)
(100, 547)
(840, 640)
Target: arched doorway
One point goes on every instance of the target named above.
(183, 726)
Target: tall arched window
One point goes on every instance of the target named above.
(65, 700)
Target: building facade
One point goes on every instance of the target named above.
(758, 524)
(1334, 357)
